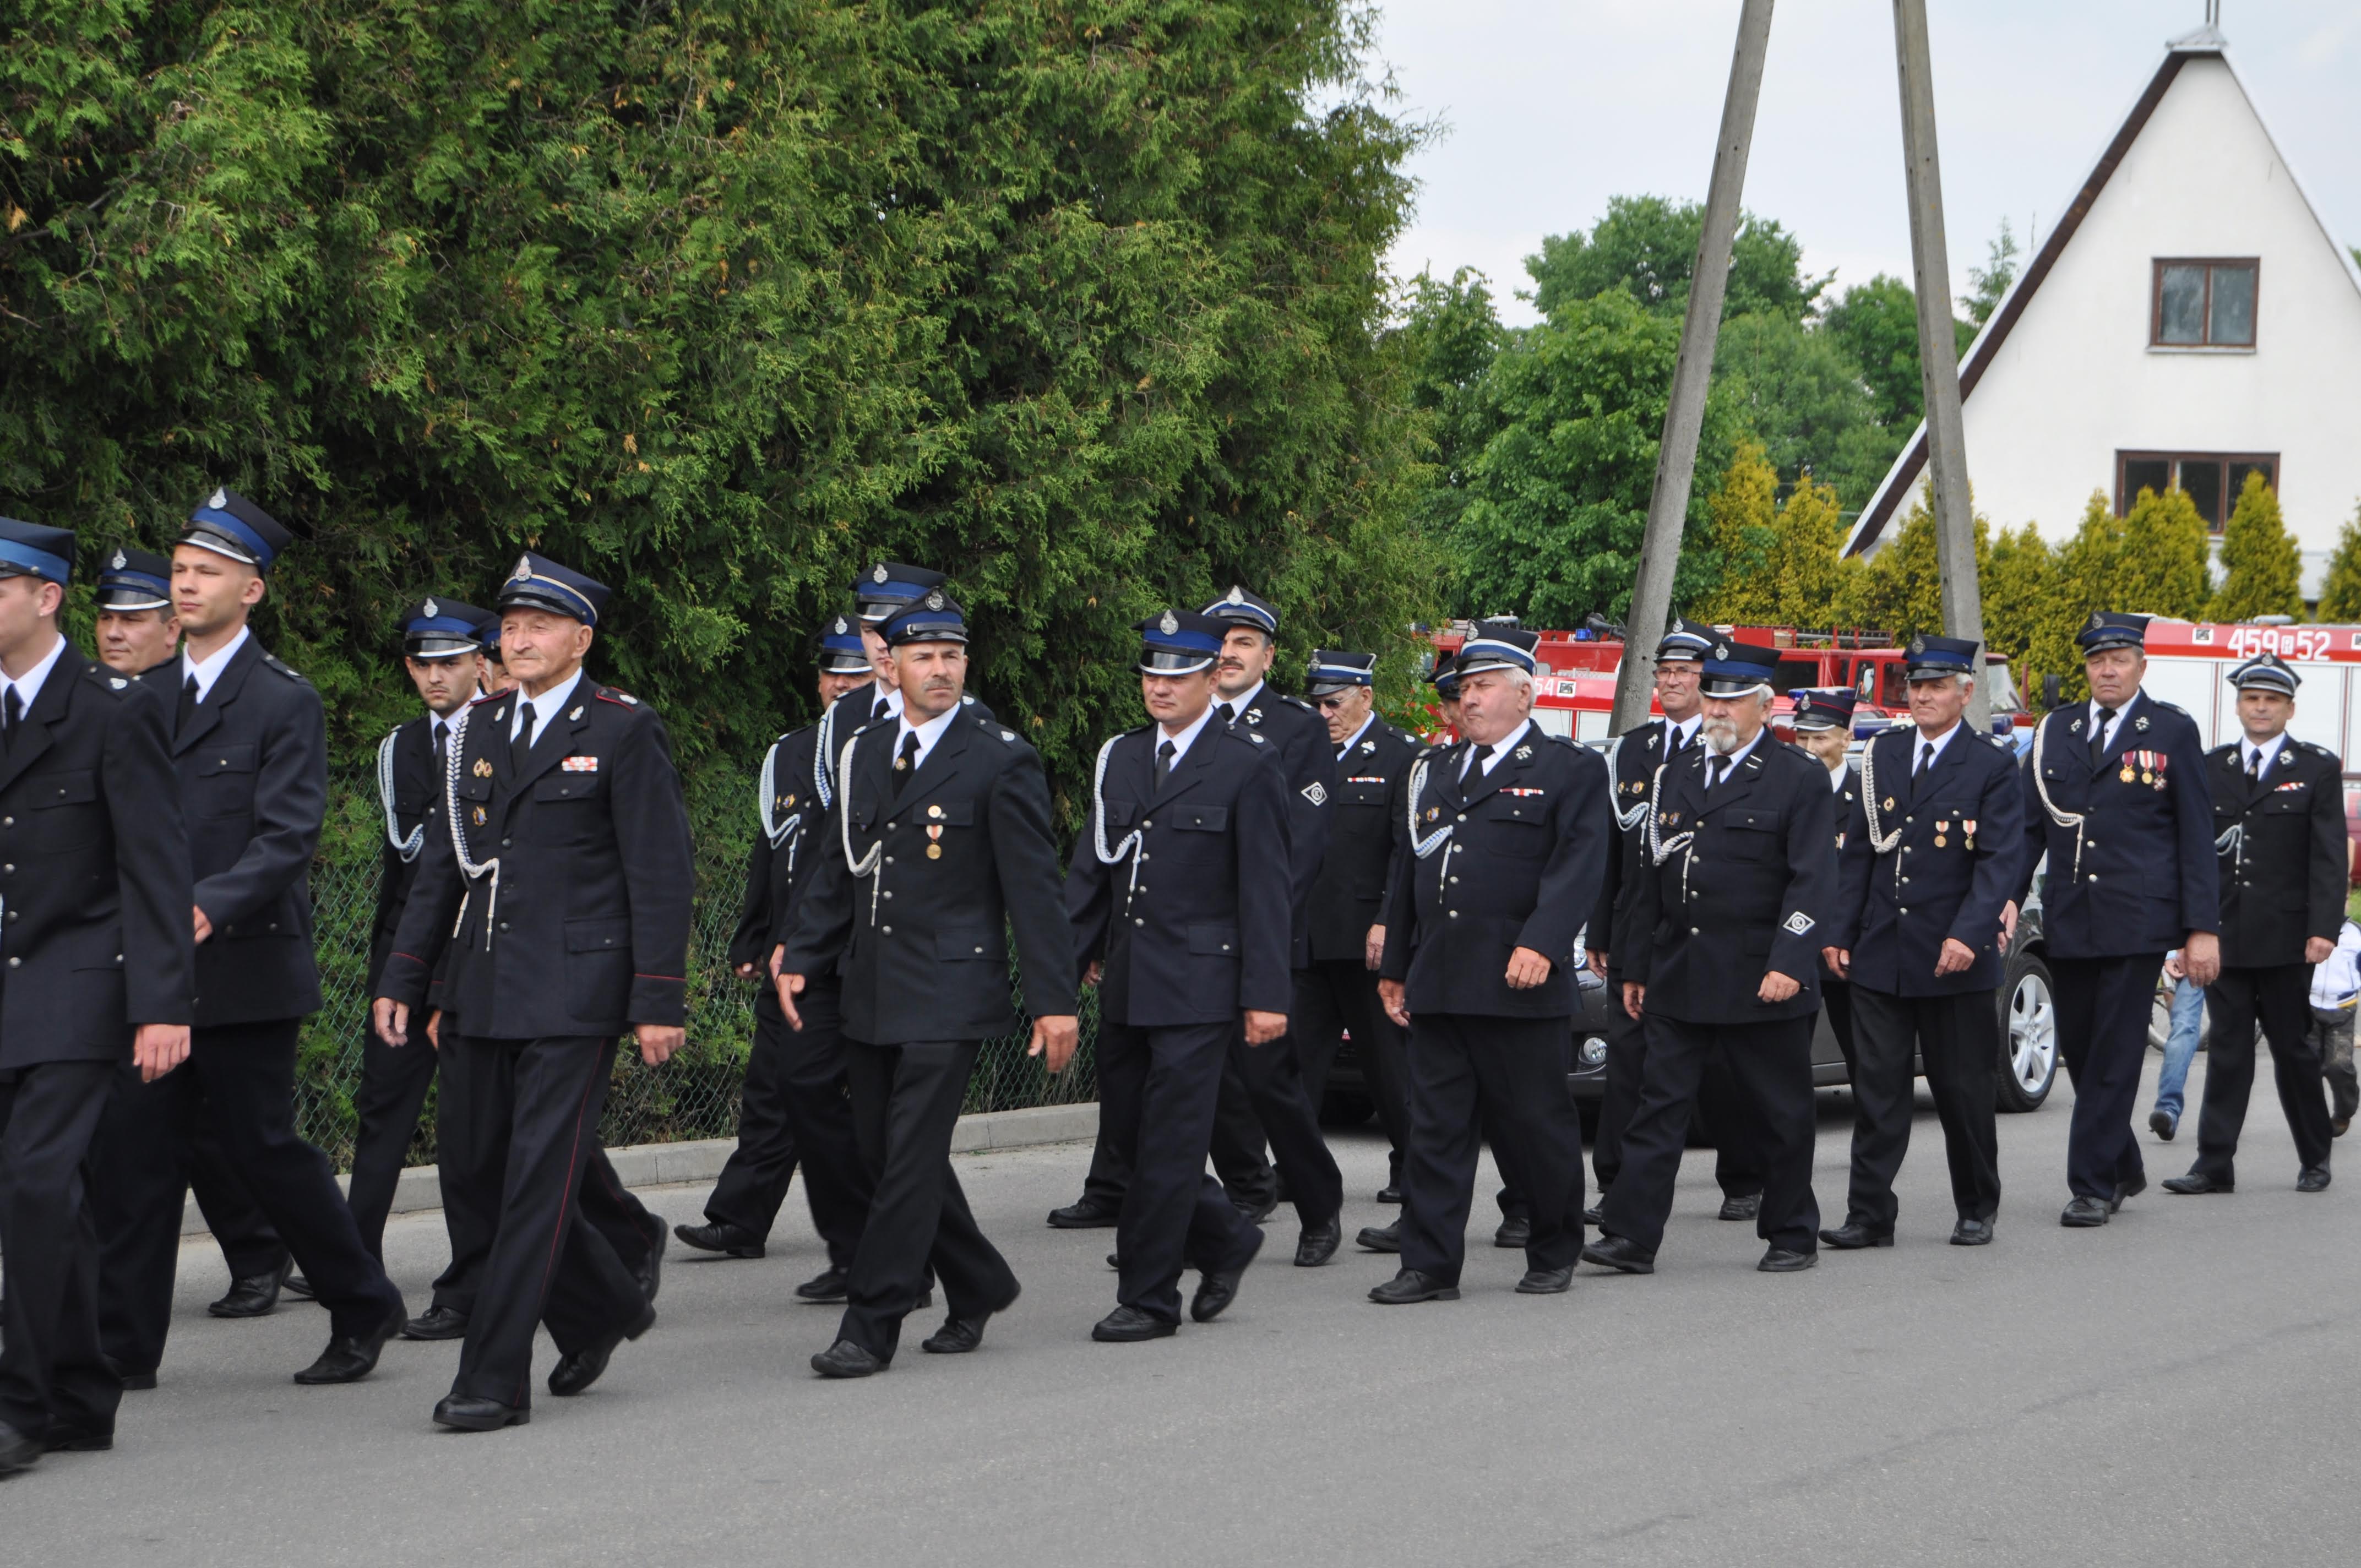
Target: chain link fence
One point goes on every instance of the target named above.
(694, 1095)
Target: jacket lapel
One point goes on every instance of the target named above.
(209, 712)
(939, 765)
(2127, 731)
(1740, 782)
(1188, 772)
(32, 738)
(554, 736)
(492, 723)
(1506, 771)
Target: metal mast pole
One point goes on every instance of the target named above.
(1668, 503)
(1939, 355)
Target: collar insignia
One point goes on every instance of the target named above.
(524, 572)
(2076, 727)
(218, 499)
(1521, 752)
(1254, 715)
(1368, 746)
(2140, 723)
(1170, 624)
(879, 575)
(576, 713)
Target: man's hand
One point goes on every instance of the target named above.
(1396, 997)
(790, 987)
(746, 971)
(2172, 970)
(776, 954)
(2202, 957)
(1055, 1036)
(2316, 950)
(158, 1048)
(1373, 948)
(1839, 961)
(1092, 974)
(1957, 958)
(392, 1020)
(1635, 997)
(2007, 925)
(1264, 1027)
(1599, 962)
(435, 1028)
(658, 1041)
(1776, 987)
(1527, 968)
(204, 927)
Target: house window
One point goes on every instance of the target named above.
(2204, 303)
(2211, 479)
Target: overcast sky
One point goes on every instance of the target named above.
(1552, 106)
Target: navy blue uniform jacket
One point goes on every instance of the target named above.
(2137, 875)
(1348, 896)
(1529, 844)
(2280, 842)
(1955, 863)
(1200, 933)
(1293, 728)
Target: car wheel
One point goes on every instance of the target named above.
(2028, 1034)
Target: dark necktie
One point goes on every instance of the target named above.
(1675, 741)
(1925, 760)
(2098, 736)
(1716, 769)
(1474, 768)
(188, 706)
(907, 764)
(523, 744)
(1164, 755)
(885, 709)
(1229, 716)
(442, 735)
(2254, 758)
(11, 711)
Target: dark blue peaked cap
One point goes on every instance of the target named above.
(540, 583)
(436, 628)
(29, 549)
(937, 617)
(886, 588)
(1734, 668)
(2266, 671)
(1239, 607)
(1177, 643)
(1332, 671)
(1930, 657)
(1823, 708)
(135, 579)
(841, 651)
(228, 524)
(2106, 630)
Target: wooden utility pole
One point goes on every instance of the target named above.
(1939, 355)
(1668, 503)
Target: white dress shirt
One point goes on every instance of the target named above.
(1239, 703)
(209, 669)
(1181, 741)
(1735, 757)
(2269, 750)
(1920, 742)
(927, 733)
(2107, 738)
(545, 707)
(1507, 744)
(1354, 739)
(1678, 736)
(28, 685)
(893, 701)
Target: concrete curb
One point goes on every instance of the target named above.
(664, 1164)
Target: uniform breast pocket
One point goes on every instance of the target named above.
(597, 967)
(71, 816)
(224, 785)
(1514, 826)
(1749, 835)
(1363, 791)
(563, 807)
(1197, 831)
(975, 945)
(1213, 941)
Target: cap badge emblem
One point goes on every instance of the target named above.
(218, 499)
(1237, 593)
(2098, 618)
(934, 599)
(1722, 650)
(878, 576)
(1170, 624)
(432, 609)
(839, 628)
(120, 560)
(524, 572)
(1918, 644)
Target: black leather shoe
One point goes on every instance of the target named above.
(1115, 1260)
(1217, 1287)
(1319, 1242)
(1516, 1231)
(846, 1359)
(2339, 1126)
(17, 1452)
(1082, 1214)
(79, 1440)
(1389, 1193)
(1615, 1252)
(730, 1241)
(1546, 1281)
(829, 1286)
(2128, 1190)
(651, 1273)
(2163, 1124)
(1257, 1209)
(2194, 1182)
(1592, 1217)
(1380, 1238)
(254, 1295)
(1745, 1208)
(1972, 1232)
(1410, 1286)
(351, 1357)
(464, 1414)
(1781, 1260)
(960, 1335)
(2085, 1212)
(1852, 1234)
(438, 1322)
(300, 1287)
(575, 1373)
(1129, 1325)
(2314, 1179)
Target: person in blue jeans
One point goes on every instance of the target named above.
(2179, 1048)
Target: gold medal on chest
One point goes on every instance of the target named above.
(1889, 802)
(1940, 841)
(1432, 812)
(477, 816)
(934, 852)
(2127, 775)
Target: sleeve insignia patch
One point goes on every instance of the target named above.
(578, 765)
(1798, 924)
(1316, 793)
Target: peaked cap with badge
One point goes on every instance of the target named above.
(436, 628)
(230, 525)
(135, 579)
(29, 549)
(889, 585)
(539, 583)
(1240, 608)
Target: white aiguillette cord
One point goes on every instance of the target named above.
(1130, 845)
(473, 870)
(863, 865)
(2042, 787)
(406, 848)
(772, 829)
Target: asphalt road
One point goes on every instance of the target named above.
(2177, 1388)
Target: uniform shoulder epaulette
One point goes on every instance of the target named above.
(2002, 743)
(274, 662)
(2223, 750)
(107, 678)
(623, 700)
(989, 728)
(2317, 749)
(494, 696)
(1249, 736)
(1299, 703)
(2171, 708)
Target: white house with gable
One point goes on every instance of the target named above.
(2187, 320)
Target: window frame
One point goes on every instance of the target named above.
(2156, 341)
(2172, 460)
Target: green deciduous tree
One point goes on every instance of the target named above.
(2264, 570)
(1647, 247)
(1802, 396)
(2340, 594)
(1448, 338)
